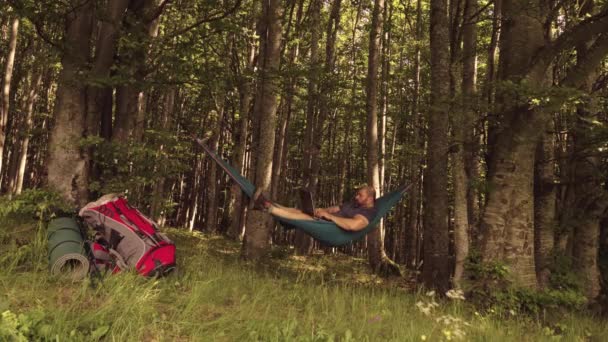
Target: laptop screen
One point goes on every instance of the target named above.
(306, 202)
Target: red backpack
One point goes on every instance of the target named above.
(132, 239)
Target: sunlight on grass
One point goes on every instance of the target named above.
(215, 296)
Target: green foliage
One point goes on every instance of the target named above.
(134, 169)
(22, 240)
(39, 203)
(562, 276)
(490, 288)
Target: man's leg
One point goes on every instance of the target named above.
(289, 213)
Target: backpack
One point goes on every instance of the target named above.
(131, 239)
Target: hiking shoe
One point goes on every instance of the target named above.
(260, 202)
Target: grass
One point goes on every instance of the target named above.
(214, 296)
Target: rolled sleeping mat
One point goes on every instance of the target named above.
(67, 255)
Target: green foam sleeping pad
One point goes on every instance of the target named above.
(67, 256)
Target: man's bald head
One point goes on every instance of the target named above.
(366, 196)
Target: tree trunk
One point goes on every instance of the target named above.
(327, 88)
(379, 261)
(490, 85)
(105, 50)
(590, 197)
(68, 165)
(544, 205)
(507, 223)
(411, 233)
(159, 188)
(436, 273)
(129, 123)
(257, 232)
(211, 188)
(6, 88)
(245, 93)
(464, 134)
(28, 109)
(312, 147)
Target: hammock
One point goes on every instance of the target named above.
(325, 231)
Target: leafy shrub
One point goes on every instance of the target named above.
(135, 168)
(37, 325)
(490, 288)
(562, 276)
(32, 203)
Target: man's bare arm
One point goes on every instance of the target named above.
(351, 224)
(319, 212)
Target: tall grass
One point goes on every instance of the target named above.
(214, 296)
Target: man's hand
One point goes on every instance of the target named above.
(322, 213)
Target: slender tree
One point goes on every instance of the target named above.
(257, 231)
(6, 87)
(436, 273)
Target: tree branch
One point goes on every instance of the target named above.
(159, 10)
(583, 32)
(591, 61)
(208, 19)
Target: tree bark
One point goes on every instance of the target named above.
(507, 224)
(68, 165)
(158, 193)
(245, 95)
(591, 200)
(464, 136)
(312, 148)
(211, 188)
(490, 85)
(436, 273)
(544, 206)
(327, 87)
(379, 261)
(129, 122)
(105, 50)
(257, 232)
(6, 87)
(28, 109)
(411, 233)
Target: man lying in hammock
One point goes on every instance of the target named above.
(351, 216)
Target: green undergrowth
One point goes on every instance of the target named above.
(216, 296)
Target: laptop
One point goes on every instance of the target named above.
(306, 202)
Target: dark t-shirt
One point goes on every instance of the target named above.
(349, 210)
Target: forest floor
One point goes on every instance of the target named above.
(216, 296)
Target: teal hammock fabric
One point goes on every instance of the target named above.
(325, 231)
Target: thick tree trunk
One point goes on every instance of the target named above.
(436, 273)
(257, 231)
(68, 165)
(544, 205)
(6, 87)
(507, 223)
